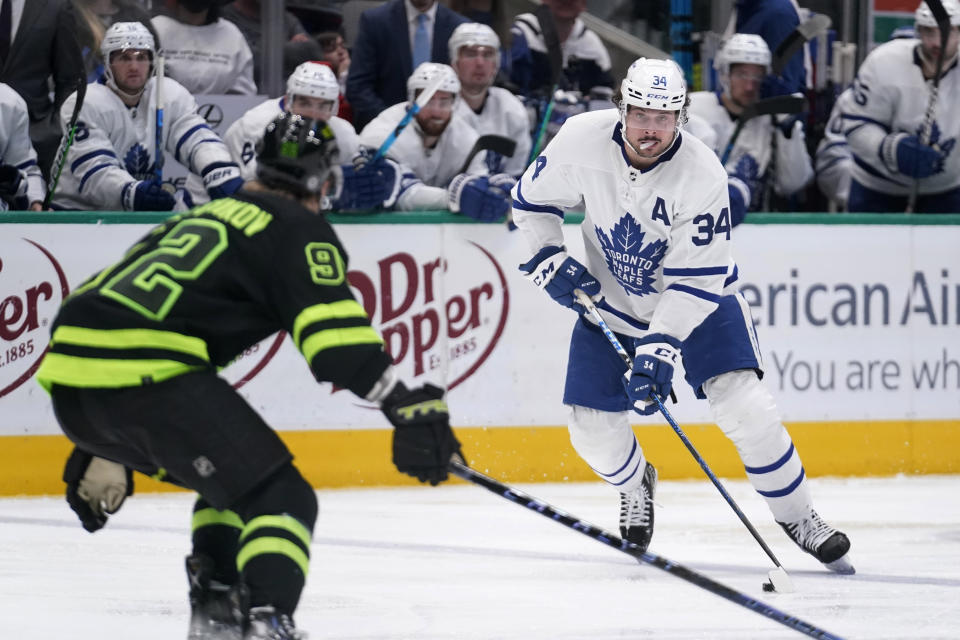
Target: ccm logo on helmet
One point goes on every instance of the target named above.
(657, 96)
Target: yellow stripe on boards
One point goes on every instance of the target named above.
(33, 465)
(263, 546)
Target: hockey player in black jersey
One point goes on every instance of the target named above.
(132, 374)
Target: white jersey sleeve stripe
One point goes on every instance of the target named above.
(693, 291)
(187, 135)
(93, 154)
(696, 271)
(521, 203)
(90, 173)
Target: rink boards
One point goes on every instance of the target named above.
(859, 326)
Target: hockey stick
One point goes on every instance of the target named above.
(570, 521)
(778, 577)
(805, 32)
(158, 163)
(943, 24)
(551, 40)
(768, 106)
(490, 142)
(65, 145)
(413, 110)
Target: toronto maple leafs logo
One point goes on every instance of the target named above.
(631, 262)
(137, 162)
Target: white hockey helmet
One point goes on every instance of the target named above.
(121, 36)
(315, 80)
(424, 75)
(653, 84)
(473, 34)
(924, 17)
(741, 48)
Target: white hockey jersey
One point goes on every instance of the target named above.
(115, 145)
(502, 114)
(657, 240)
(243, 135)
(15, 146)
(754, 149)
(209, 58)
(426, 172)
(890, 96)
(833, 161)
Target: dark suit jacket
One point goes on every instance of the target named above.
(45, 45)
(381, 60)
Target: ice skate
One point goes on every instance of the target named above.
(216, 609)
(266, 623)
(636, 510)
(822, 541)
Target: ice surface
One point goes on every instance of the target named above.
(459, 562)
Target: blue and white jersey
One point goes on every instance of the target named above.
(115, 145)
(15, 146)
(243, 135)
(890, 96)
(502, 114)
(759, 145)
(657, 239)
(833, 161)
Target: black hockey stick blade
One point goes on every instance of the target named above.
(461, 470)
(805, 32)
(490, 142)
(772, 106)
(65, 143)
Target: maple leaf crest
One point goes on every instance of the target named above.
(632, 263)
(137, 162)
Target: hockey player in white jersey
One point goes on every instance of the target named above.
(883, 123)
(312, 92)
(475, 56)
(765, 155)
(111, 164)
(21, 182)
(833, 161)
(658, 261)
(433, 148)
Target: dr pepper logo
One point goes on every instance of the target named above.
(32, 287)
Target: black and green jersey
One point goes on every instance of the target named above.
(205, 285)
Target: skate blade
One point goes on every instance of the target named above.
(841, 566)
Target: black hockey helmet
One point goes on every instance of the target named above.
(299, 155)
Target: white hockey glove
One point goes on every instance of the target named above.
(653, 362)
(96, 487)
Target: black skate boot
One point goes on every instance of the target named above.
(822, 541)
(216, 610)
(266, 623)
(636, 510)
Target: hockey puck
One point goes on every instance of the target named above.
(768, 586)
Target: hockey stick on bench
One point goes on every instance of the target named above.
(66, 142)
(412, 110)
(459, 469)
(490, 142)
(804, 33)
(768, 106)
(778, 577)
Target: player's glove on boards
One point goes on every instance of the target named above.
(423, 442)
(653, 362)
(478, 197)
(221, 179)
(369, 185)
(906, 154)
(558, 274)
(96, 487)
(144, 195)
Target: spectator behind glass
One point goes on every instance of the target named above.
(204, 52)
(94, 17)
(335, 53)
(27, 64)
(433, 150)
(586, 62)
(246, 15)
(383, 54)
(475, 56)
(111, 164)
(21, 183)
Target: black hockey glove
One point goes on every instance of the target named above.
(96, 487)
(423, 442)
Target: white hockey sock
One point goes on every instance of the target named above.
(607, 443)
(747, 414)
